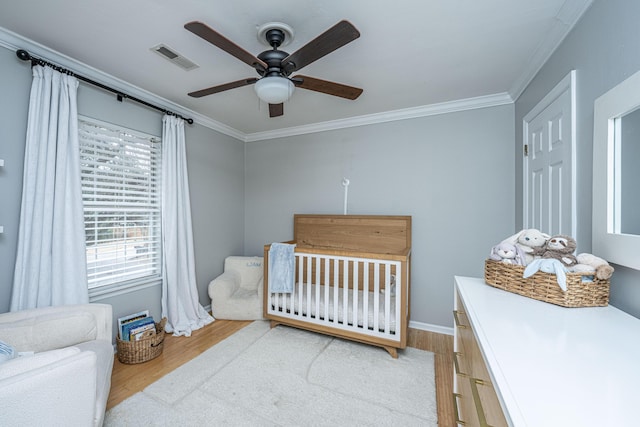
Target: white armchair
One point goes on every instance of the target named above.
(237, 293)
(66, 381)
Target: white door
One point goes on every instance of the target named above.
(549, 162)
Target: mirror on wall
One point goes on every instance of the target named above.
(616, 175)
(627, 177)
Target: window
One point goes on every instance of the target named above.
(121, 192)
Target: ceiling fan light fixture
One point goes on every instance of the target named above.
(275, 89)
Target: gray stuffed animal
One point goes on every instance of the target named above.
(507, 253)
(561, 247)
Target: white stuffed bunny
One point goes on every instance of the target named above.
(530, 241)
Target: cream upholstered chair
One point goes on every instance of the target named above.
(237, 293)
(64, 374)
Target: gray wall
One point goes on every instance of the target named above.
(604, 49)
(453, 173)
(216, 180)
(15, 86)
(14, 103)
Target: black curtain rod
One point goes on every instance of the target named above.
(25, 56)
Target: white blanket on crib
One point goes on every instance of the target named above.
(283, 301)
(282, 267)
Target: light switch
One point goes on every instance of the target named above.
(1, 162)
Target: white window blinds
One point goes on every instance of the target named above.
(122, 203)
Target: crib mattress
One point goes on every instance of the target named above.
(282, 302)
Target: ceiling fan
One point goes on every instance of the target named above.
(274, 66)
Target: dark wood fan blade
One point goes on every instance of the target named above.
(221, 88)
(335, 37)
(217, 39)
(330, 88)
(276, 110)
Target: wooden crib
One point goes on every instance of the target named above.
(352, 279)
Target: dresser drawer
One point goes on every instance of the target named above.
(465, 408)
(463, 399)
(463, 332)
(476, 401)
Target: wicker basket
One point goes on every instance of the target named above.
(143, 350)
(544, 286)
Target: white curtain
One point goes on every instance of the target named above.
(51, 261)
(179, 290)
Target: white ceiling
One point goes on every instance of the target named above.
(411, 53)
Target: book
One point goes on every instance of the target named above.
(128, 319)
(135, 334)
(143, 335)
(128, 327)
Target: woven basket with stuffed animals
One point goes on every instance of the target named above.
(543, 267)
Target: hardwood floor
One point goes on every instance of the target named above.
(127, 380)
(442, 347)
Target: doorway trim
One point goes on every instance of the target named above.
(568, 83)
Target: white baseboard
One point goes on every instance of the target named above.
(431, 328)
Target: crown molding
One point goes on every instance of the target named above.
(566, 18)
(388, 116)
(13, 41)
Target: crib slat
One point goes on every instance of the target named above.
(398, 297)
(275, 301)
(355, 289)
(387, 297)
(300, 286)
(376, 296)
(365, 297)
(336, 281)
(326, 289)
(345, 293)
(316, 285)
(309, 289)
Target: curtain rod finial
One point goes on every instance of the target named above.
(23, 54)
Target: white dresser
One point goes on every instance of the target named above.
(545, 365)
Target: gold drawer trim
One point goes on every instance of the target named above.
(475, 382)
(455, 409)
(457, 320)
(456, 364)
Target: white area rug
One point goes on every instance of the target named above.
(288, 377)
